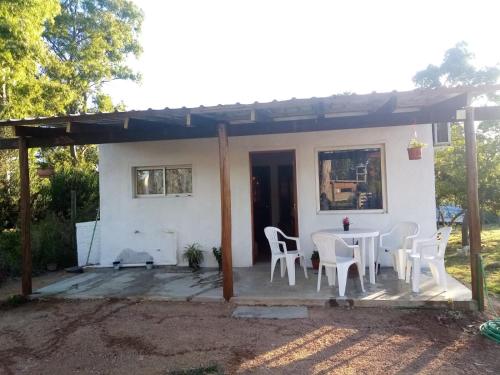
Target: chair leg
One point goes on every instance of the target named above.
(401, 261)
(342, 274)
(303, 259)
(282, 266)
(415, 276)
(441, 271)
(273, 266)
(319, 276)
(290, 265)
(408, 271)
(330, 275)
(358, 264)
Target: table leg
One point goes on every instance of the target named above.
(363, 256)
(371, 260)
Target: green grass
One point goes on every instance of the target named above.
(458, 265)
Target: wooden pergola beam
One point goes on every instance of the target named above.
(477, 281)
(34, 131)
(225, 198)
(25, 217)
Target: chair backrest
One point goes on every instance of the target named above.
(328, 246)
(442, 236)
(401, 231)
(272, 237)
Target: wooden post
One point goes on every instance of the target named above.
(25, 216)
(473, 208)
(225, 198)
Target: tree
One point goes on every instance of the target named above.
(456, 69)
(54, 58)
(90, 41)
(25, 90)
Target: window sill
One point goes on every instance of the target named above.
(351, 212)
(150, 196)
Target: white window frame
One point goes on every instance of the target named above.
(383, 176)
(164, 193)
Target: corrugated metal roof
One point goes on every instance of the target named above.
(331, 106)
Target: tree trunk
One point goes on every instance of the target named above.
(465, 229)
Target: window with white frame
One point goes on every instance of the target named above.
(351, 179)
(163, 181)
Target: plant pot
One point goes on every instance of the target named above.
(315, 264)
(116, 265)
(149, 265)
(45, 172)
(346, 227)
(415, 153)
(353, 272)
(51, 267)
(194, 265)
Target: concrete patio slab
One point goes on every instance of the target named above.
(253, 287)
(271, 312)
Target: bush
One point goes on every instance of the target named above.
(51, 242)
(10, 254)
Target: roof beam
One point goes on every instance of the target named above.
(35, 131)
(195, 119)
(80, 127)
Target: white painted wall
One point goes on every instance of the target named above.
(410, 189)
(83, 242)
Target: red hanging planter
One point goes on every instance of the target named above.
(415, 153)
(45, 172)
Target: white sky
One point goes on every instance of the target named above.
(222, 52)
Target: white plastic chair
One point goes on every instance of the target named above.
(286, 257)
(398, 242)
(432, 251)
(335, 254)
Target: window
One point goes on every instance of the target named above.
(150, 181)
(351, 179)
(161, 181)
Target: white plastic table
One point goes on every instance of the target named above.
(362, 234)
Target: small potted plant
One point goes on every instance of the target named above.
(44, 170)
(315, 260)
(194, 255)
(217, 251)
(415, 149)
(346, 223)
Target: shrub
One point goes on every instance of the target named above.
(10, 254)
(51, 242)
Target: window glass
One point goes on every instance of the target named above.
(350, 179)
(149, 181)
(179, 181)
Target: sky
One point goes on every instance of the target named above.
(223, 52)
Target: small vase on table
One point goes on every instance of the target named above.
(346, 223)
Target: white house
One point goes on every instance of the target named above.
(158, 196)
(218, 175)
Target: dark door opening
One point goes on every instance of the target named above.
(274, 198)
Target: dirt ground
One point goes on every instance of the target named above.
(13, 286)
(139, 337)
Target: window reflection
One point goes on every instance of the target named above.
(350, 179)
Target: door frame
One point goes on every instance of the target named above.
(294, 182)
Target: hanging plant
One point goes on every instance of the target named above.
(415, 147)
(44, 170)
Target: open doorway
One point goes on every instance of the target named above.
(273, 197)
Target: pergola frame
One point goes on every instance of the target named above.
(291, 116)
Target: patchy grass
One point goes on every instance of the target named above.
(458, 264)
